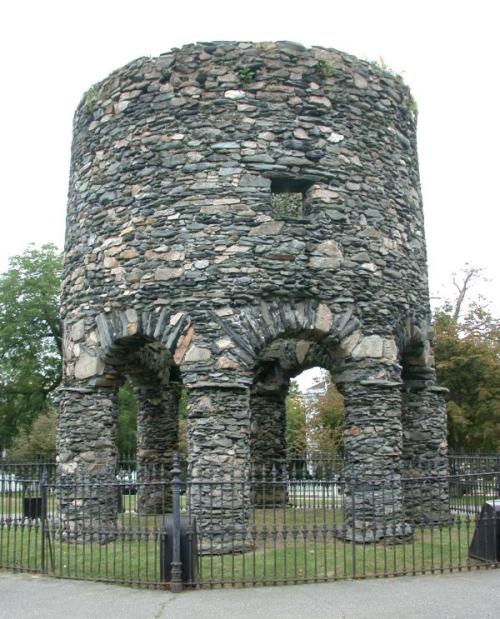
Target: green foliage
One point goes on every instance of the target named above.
(37, 442)
(90, 100)
(381, 66)
(467, 349)
(296, 422)
(182, 446)
(325, 68)
(183, 398)
(30, 339)
(127, 421)
(165, 74)
(317, 426)
(413, 105)
(246, 75)
(93, 96)
(468, 364)
(287, 204)
(326, 425)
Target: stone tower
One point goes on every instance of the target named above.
(239, 212)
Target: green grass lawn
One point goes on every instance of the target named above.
(282, 545)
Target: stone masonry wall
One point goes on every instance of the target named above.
(236, 203)
(170, 190)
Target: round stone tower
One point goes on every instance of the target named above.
(239, 212)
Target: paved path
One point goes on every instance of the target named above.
(470, 595)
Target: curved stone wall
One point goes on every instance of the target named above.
(174, 162)
(240, 206)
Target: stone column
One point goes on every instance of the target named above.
(268, 424)
(268, 441)
(425, 452)
(218, 417)
(373, 444)
(157, 439)
(88, 494)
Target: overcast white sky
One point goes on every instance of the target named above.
(448, 53)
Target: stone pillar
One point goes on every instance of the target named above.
(88, 494)
(218, 427)
(373, 444)
(425, 452)
(268, 441)
(157, 439)
(268, 424)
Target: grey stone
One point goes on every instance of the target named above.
(234, 94)
(226, 146)
(88, 365)
(254, 180)
(324, 262)
(78, 330)
(360, 81)
(369, 346)
(328, 248)
(268, 228)
(195, 353)
(165, 273)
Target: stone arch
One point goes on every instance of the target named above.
(414, 343)
(146, 348)
(171, 329)
(253, 328)
(99, 354)
(364, 366)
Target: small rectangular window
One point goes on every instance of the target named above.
(288, 197)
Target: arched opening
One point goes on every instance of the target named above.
(149, 392)
(292, 376)
(294, 430)
(141, 350)
(368, 388)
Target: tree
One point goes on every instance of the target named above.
(30, 339)
(296, 422)
(315, 425)
(37, 442)
(467, 348)
(127, 421)
(325, 426)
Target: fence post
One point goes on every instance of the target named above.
(176, 572)
(43, 516)
(353, 521)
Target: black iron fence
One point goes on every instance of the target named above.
(279, 524)
(315, 465)
(460, 463)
